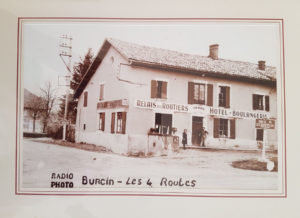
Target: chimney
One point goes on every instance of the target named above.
(213, 51)
(261, 65)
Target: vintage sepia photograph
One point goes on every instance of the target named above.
(181, 107)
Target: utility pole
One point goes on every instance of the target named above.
(66, 52)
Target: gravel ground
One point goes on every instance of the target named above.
(209, 169)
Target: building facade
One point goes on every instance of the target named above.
(137, 99)
(32, 122)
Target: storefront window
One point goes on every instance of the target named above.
(163, 123)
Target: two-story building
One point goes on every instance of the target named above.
(133, 97)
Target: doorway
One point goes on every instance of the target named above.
(197, 124)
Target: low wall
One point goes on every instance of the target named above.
(114, 142)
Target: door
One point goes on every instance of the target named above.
(197, 124)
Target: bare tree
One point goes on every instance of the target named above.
(48, 96)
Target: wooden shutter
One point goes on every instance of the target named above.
(254, 102)
(113, 115)
(153, 89)
(191, 93)
(227, 97)
(216, 127)
(259, 134)
(85, 97)
(210, 94)
(267, 103)
(164, 90)
(103, 121)
(232, 129)
(123, 122)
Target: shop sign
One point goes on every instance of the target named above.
(112, 104)
(161, 105)
(237, 113)
(265, 123)
(200, 109)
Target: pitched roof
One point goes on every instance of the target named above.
(176, 61)
(32, 101)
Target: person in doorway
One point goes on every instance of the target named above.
(203, 137)
(184, 138)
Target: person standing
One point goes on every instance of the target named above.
(199, 139)
(203, 137)
(184, 138)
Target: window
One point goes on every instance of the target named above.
(121, 122)
(260, 102)
(85, 99)
(101, 94)
(224, 96)
(198, 92)
(163, 123)
(101, 121)
(84, 126)
(224, 128)
(159, 89)
(259, 134)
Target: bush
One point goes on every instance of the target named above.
(55, 131)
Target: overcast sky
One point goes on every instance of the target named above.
(244, 41)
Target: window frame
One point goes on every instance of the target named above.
(199, 101)
(265, 102)
(101, 124)
(225, 129)
(227, 96)
(159, 90)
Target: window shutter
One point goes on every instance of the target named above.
(190, 93)
(254, 102)
(85, 97)
(113, 115)
(153, 88)
(232, 129)
(210, 94)
(216, 127)
(164, 90)
(227, 103)
(267, 103)
(259, 134)
(103, 122)
(123, 122)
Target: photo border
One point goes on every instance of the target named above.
(135, 193)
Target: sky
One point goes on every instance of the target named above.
(40, 62)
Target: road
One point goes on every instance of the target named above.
(209, 169)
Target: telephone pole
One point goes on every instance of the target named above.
(66, 52)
